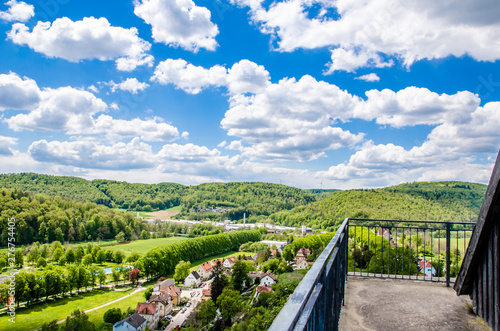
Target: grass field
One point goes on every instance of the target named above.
(33, 317)
(292, 277)
(460, 243)
(96, 316)
(176, 208)
(142, 246)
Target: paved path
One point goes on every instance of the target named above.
(406, 305)
(110, 302)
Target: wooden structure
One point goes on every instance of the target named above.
(479, 275)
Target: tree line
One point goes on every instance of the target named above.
(163, 259)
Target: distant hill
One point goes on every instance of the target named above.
(321, 193)
(64, 186)
(321, 209)
(253, 199)
(438, 201)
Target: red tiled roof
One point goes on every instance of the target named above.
(264, 288)
(207, 266)
(207, 292)
(424, 264)
(160, 297)
(232, 259)
(146, 308)
(172, 290)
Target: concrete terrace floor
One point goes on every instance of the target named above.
(373, 304)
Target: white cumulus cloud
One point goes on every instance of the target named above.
(65, 108)
(179, 23)
(6, 144)
(243, 77)
(18, 93)
(372, 77)
(19, 11)
(131, 85)
(190, 78)
(291, 120)
(148, 130)
(89, 154)
(90, 38)
(415, 106)
(409, 31)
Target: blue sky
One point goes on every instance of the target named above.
(308, 93)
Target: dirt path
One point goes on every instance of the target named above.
(163, 214)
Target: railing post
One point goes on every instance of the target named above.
(448, 237)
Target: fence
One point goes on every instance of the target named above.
(421, 250)
(372, 248)
(317, 301)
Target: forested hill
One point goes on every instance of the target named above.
(47, 218)
(64, 186)
(256, 199)
(438, 201)
(321, 209)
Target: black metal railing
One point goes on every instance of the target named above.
(317, 301)
(421, 250)
(372, 248)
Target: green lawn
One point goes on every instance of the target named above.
(133, 212)
(292, 277)
(460, 243)
(142, 246)
(96, 316)
(176, 208)
(33, 317)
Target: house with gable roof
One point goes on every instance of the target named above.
(168, 286)
(134, 322)
(229, 262)
(163, 301)
(263, 289)
(149, 311)
(426, 268)
(205, 270)
(302, 254)
(268, 279)
(193, 279)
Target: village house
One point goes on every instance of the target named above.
(253, 275)
(205, 270)
(150, 313)
(214, 262)
(302, 254)
(168, 286)
(302, 264)
(268, 279)
(163, 302)
(134, 322)
(262, 289)
(193, 279)
(386, 233)
(426, 268)
(206, 294)
(229, 262)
